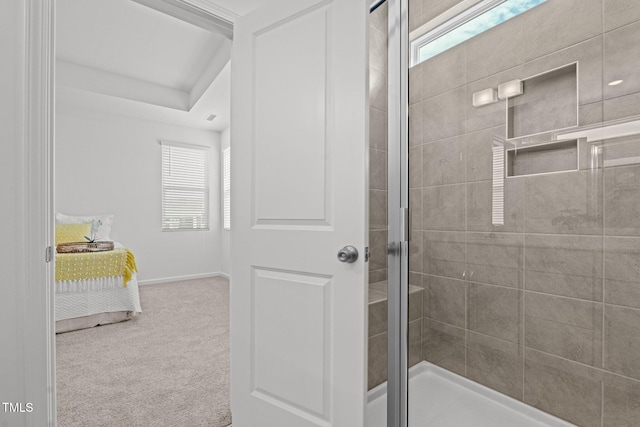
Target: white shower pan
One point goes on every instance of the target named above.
(439, 398)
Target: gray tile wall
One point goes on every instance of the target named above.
(546, 308)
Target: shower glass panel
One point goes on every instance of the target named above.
(524, 193)
(378, 204)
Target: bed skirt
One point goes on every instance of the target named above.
(77, 301)
(68, 325)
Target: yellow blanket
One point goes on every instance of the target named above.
(118, 262)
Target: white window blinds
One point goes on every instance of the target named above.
(226, 183)
(185, 187)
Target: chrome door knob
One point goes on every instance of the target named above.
(348, 254)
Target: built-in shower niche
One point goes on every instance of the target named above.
(549, 102)
(560, 156)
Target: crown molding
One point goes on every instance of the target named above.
(99, 81)
(201, 13)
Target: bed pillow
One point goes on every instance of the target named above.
(67, 233)
(101, 228)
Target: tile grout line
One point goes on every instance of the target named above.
(584, 365)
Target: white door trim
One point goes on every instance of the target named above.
(38, 95)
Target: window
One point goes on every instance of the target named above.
(185, 187)
(226, 184)
(473, 21)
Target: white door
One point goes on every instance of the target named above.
(299, 194)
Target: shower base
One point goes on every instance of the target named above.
(439, 398)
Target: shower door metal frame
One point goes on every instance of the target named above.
(398, 214)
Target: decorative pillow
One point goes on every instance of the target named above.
(101, 228)
(67, 233)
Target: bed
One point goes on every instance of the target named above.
(93, 288)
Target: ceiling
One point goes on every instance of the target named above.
(122, 57)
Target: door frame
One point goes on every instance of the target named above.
(39, 182)
(398, 215)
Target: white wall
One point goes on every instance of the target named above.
(11, 226)
(226, 234)
(112, 164)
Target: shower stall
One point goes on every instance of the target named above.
(504, 284)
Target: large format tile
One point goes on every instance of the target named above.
(565, 327)
(495, 311)
(377, 249)
(415, 167)
(621, 402)
(444, 345)
(565, 203)
(620, 12)
(433, 8)
(415, 14)
(446, 300)
(415, 251)
(415, 83)
(415, 302)
(443, 162)
(495, 258)
(444, 207)
(377, 169)
(377, 275)
(569, 285)
(378, 210)
(622, 200)
(495, 50)
(415, 124)
(554, 25)
(415, 342)
(378, 89)
(621, 266)
(621, 47)
(444, 253)
(377, 360)
(378, 316)
(622, 340)
(566, 389)
(480, 206)
(378, 125)
(443, 115)
(415, 209)
(495, 363)
(589, 57)
(444, 72)
(621, 107)
(590, 114)
(479, 148)
(564, 265)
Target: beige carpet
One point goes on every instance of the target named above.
(167, 367)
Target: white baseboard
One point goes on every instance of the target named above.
(179, 278)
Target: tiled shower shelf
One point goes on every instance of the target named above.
(378, 330)
(560, 156)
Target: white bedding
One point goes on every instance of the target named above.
(79, 298)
